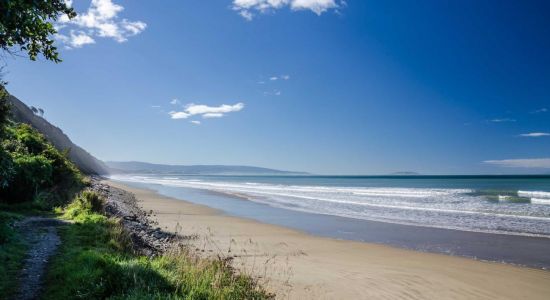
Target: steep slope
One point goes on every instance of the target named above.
(84, 160)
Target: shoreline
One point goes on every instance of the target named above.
(299, 265)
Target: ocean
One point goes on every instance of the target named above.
(518, 205)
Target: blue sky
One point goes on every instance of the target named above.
(363, 87)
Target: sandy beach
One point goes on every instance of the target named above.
(296, 265)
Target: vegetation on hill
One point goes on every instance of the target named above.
(34, 170)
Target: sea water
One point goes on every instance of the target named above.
(512, 205)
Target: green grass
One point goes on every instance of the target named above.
(95, 262)
(12, 253)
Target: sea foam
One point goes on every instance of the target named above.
(462, 209)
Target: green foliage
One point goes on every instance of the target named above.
(84, 204)
(12, 253)
(4, 108)
(95, 262)
(28, 25)
(7, 170)
(34, 169)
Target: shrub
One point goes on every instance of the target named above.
(6, 169)
(32, 173)
(33, 169)
(86, 203)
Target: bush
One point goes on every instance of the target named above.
(34, 169)
(84, 204)
(6, 169)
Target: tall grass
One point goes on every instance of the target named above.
(95, 261)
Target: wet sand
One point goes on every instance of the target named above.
(296, 265)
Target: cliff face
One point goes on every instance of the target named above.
(84, 160)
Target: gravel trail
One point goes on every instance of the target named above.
(41, 235)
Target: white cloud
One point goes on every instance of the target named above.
(502, 120)
(212, 115)
(535, 134)
(317, 6)
(521, 163)
(178, 115)
(75, 39)
(195, 122)
(273, 78)
(100, 20)
(247, 8)
(198, 109)
(285, 77)
(206, 111)
(174, 101)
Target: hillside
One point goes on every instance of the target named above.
(84, 160)
(142, 167)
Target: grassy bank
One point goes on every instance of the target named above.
(12, 253)
(95, 261)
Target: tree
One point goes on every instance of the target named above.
(28, 25)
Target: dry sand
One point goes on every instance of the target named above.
(296, 265)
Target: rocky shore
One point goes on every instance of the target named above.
(147, 238)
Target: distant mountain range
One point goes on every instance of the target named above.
(84, 160)
(148, 168)
(405, 173)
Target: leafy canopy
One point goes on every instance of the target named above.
(27, 24)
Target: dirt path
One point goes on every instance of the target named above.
(41, 235)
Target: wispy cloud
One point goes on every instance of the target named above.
(535, 134)
(273, 93)
(100, 20)
(195, 122)
(538, 111)
(248, 8)
(534, 163)
(502, 120)
(282, 77)
(174, 101)
(155, 106)
(206, 111)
